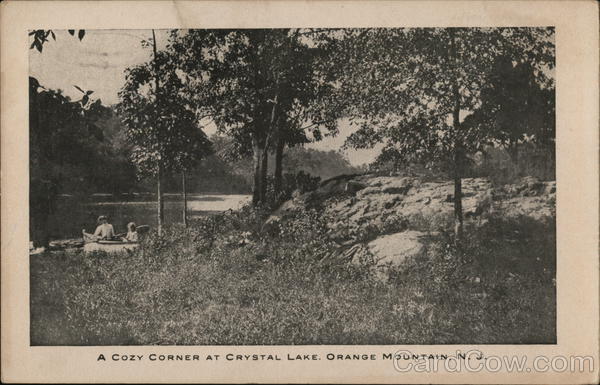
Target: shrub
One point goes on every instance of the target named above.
(500, 167)
(301, 182)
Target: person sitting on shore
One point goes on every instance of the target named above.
(104, 231)
(132, 235)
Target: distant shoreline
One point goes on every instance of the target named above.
(146, 194)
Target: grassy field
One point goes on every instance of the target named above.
(224, 281)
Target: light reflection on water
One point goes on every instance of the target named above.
(72, 216)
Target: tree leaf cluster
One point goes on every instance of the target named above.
(399, 84)
(41, 36)
(160, 121)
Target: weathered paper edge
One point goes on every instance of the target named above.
(577, 175)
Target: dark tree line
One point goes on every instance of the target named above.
(66, 150)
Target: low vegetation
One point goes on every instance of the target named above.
(227, 280)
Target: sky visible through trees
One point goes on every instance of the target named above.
(98, 63)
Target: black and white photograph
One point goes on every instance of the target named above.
(292, 186)
(282, 191)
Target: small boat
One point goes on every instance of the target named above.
(112, 246)
(109, 246)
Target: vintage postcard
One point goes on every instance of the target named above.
(286, 191)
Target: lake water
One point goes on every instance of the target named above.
(72, 216)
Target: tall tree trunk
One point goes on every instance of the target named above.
(159, 193)
(264, 170)
(256, 154)
(159, 196)
(184, 193)
(458, 169)
(272, 133)
(458, 213)
(458, 147)
(513, 151)
(278, 165)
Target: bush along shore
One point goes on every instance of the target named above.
(297, 276)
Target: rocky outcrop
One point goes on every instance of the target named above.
(388, 217)
(395, 248)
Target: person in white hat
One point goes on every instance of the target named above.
(104, 231)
